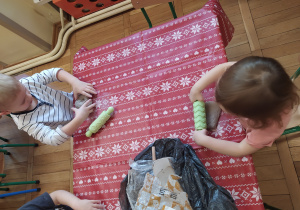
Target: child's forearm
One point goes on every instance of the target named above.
(64, 198)
(64, 76)
(211, 76)
(72, 126)
(225, 147)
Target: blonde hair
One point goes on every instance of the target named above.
(9, 88)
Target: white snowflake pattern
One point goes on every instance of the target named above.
(96, 62)
(159, 41)
(203, 73)
(238, 126)
(98, 103)
(196, 29)
(174, 135)
(147, 91)
(152, 139)
(99, 152)
(111, 57)
(165, 86)
(134, 146)
(114, 100)
(177, 35)
(142, 47)
(191, 134)
(185, 81)
(234, 194)
(83, 155)
(126, 52)
(118, 206)
(256, 194)
(116, 149)
(81, 66)
(130, 95)
(219, 131)
(214, 22)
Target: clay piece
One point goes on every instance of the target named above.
(213, 112)
(81, 100)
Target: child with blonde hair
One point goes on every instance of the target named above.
(259, 92)
(42, 112)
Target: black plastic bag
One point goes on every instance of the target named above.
(203, 192)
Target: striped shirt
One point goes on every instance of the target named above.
(53, 110)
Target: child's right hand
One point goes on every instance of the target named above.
(84, 111)
(195, 95)
(88, 205)
(82, 88)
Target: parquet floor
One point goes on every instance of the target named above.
(268, 28)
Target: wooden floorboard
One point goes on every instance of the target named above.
(269, 28)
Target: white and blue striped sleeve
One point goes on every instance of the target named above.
(45, 134)
(44, 77)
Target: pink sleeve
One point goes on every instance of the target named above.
(260, 138)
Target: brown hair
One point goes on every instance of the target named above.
(9, 88)
(257, 88)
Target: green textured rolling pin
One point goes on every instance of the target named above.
(99, 122)
(199, 115)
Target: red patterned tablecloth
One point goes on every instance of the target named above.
(147, 77)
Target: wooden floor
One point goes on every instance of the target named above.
(269, 28)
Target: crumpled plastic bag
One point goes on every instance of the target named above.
(154, 196)
(203, 192)
(136, 177)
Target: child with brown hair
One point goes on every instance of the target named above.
(44, 113)
(259, 92)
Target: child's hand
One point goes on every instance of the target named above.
(84, 111)
(88, 205)
(199, 136)
(83, 88)
(195, 95)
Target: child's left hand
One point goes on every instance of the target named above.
(199, 136)
(83, 88)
